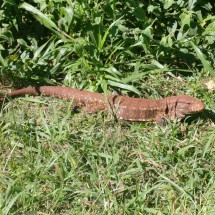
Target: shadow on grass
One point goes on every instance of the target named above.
(205, 115)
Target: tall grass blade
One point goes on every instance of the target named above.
(125, 87)
(201, 57)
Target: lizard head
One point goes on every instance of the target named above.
(186, 105)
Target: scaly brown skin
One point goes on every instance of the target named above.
(123, 107)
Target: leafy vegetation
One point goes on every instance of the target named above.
(94, 44)
(54, 161)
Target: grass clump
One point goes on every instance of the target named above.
(55, 162)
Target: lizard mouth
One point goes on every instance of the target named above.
(197, 107)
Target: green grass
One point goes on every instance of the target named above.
(55, 161)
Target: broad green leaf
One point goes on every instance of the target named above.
(22, 42)
(1, 47)
(168, 3)
(3, 61)
(109, 77)
(201, 57)
(39, 50)
(133, 77)
(39, 15)
(12, 2)
(185, 19)
(191, 4)
(209, 33)
(124, 86)
(205, 21)
(156, 63)
(104, 86)
(45, 20)
(113, 71)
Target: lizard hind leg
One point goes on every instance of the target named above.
(160, 120)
